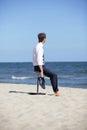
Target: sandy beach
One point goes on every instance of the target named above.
(19, 110)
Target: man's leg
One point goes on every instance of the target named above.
(53, 79)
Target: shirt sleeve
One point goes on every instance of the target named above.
(40, 53)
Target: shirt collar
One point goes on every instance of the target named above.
(41, 43)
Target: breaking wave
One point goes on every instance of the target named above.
(21, 78)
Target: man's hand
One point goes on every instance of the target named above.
(42, 75)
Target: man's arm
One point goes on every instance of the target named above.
(41, 69)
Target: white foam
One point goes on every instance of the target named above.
(21, 78)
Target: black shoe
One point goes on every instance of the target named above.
(41, 82)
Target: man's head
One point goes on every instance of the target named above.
(42, 37)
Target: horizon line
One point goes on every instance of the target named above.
(32, 62)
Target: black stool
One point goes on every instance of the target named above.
(39, 82)
(38, 75)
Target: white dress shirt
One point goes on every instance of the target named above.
(38, 54)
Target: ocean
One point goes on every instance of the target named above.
(70, 74)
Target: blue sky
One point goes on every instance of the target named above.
(64, 22)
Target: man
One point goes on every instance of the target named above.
(39, 64)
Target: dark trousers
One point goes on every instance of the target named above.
(51, 75)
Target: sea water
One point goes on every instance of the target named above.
(70, 74)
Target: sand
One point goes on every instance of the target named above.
(21, 111)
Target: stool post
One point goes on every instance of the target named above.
(38, 85)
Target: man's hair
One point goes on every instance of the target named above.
(41, 36)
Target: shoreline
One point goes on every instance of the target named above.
(21, 111)
(34, 85)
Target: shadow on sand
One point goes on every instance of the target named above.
(30, 93)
